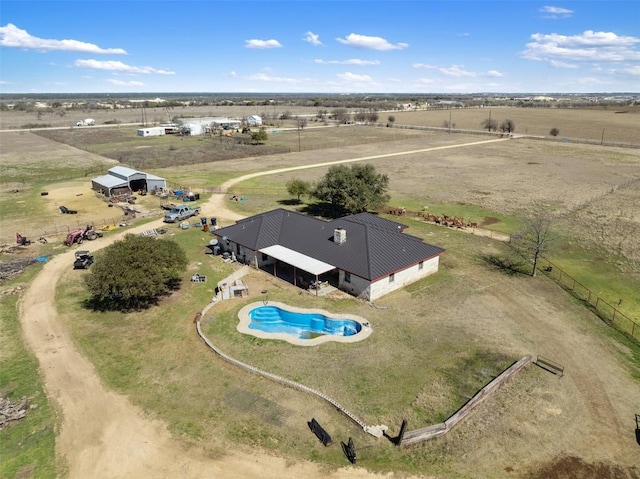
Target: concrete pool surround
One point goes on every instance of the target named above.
(245, 320)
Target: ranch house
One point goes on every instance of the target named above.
(362, 254)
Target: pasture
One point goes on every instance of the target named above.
(434, 344)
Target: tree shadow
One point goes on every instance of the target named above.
(511, 266)
(323, 210)
(289, 202)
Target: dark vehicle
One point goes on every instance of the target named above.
(84, 259)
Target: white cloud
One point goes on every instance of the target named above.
(113, 81)
(372, 43)
(117, 66)
(233, 74)
(262, 44)
(312, 38)
(263, 77)
(14, 37)
(352, 61)
(556, 12)
(561, 64)
(457, 71)
(588, 46)
(424, 66)
(352, 77)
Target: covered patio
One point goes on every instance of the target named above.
(298, 269)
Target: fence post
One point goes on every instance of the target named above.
(613, 316)
(597, 301)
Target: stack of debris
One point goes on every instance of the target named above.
(10, 411)
(10, 269)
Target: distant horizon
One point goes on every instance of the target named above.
(310, 94)
(339, 47)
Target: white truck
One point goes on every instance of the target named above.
(86, 122)
(180, 213)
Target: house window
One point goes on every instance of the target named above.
(347, 277)
(392, 277)
(421, 265)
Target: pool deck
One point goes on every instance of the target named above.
(243, 325)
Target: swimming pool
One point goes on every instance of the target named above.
(300, 326)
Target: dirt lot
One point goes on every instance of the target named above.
(542, 423)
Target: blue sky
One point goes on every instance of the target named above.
(319, 46)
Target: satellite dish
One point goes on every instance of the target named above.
(213, 242)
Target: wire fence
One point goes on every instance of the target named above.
(608, 312)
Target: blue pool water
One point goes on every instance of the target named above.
(272, 319)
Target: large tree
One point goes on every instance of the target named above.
(353, 189)
(133, 273)
(536, 238)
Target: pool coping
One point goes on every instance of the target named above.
(244, 320)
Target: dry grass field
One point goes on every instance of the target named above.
(434, 343)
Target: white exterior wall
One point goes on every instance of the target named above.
(358, 286)
(403, 278)
(160, 184)
(156, 131)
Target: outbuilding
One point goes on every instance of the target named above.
(122, 180)
(254, 120)
(153, 131)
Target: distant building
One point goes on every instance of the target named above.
(254, 120)
(153, 131)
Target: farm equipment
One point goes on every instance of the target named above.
(67, 211)
(78, 236)
(84, 259)
(21, 240)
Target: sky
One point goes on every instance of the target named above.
(329, 46)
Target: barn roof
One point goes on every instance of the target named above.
(375, 247)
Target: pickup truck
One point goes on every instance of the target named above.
(180, 213)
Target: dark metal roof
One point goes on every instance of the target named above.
(375, 247)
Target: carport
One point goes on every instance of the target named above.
(299, 261)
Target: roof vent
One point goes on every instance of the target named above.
(339, 235)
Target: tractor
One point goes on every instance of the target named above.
(79, 236)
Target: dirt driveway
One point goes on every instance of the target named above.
(104, 435)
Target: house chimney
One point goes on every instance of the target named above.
(339, 235)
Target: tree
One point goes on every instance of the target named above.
(341, 115)
(490, 125)
(353, 189)
(372, 117)
(259, 137)
(535, 238)
(133, 273)
(391, 119)
(554, 132)
(298, 188)
(507, 126)
(302, 122)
